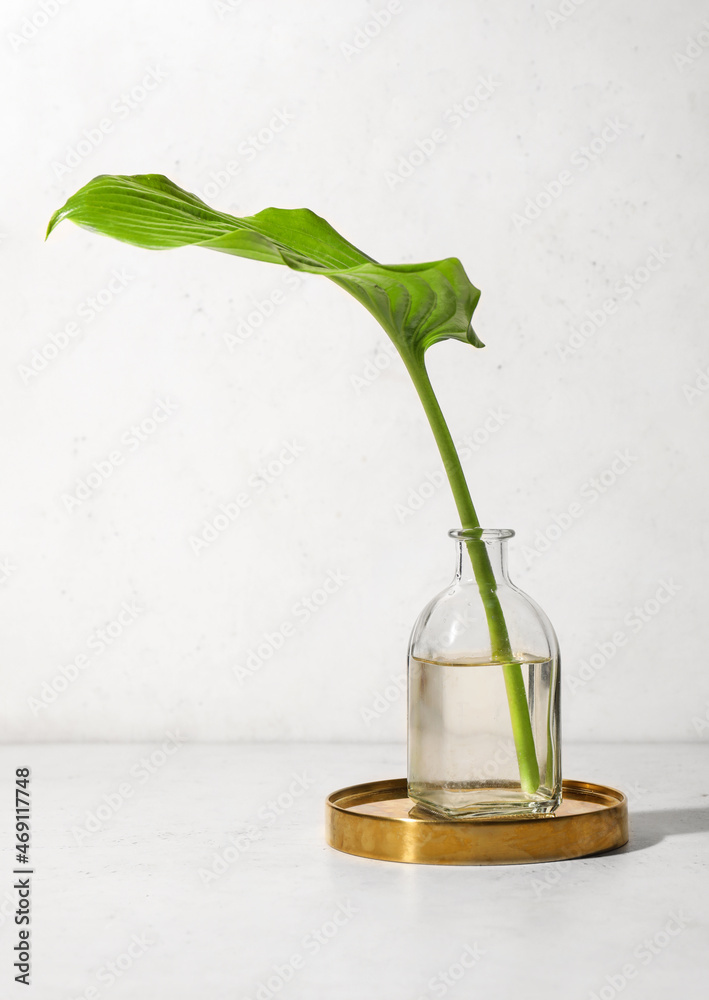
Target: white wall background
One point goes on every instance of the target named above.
(554, 82)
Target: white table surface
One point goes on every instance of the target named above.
(129, 910)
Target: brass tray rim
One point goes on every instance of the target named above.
(571, 835)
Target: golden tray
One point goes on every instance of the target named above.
(377, 820)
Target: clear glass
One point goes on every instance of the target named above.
(466, 731)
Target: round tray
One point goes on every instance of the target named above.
(378, 820)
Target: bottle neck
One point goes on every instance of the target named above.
(493, 541)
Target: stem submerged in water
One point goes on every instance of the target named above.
(485, 577)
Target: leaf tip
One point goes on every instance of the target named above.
(54, 222)
(473, 338)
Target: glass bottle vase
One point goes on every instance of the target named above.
(483, 692)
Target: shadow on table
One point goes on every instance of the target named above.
(649, 828)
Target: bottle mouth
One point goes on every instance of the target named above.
(480, 534)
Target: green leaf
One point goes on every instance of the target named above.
(417, 304)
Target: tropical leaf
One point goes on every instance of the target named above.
(417, 304)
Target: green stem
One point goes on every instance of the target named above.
(485, 577)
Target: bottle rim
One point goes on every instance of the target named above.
(481, 534)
